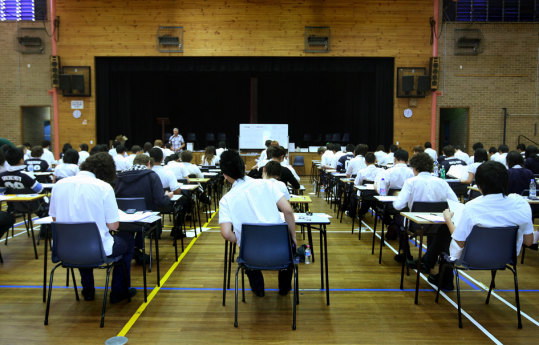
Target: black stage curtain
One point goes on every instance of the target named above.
(213, 94)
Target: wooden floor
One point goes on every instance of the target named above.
(367, 306)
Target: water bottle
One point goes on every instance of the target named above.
(442, 172)
(383, 191)
(435, 170)
(307, 255)
(533, 189)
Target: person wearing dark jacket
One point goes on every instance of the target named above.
(277, 154)
(140, 181)
(532, 159)
(519, 177)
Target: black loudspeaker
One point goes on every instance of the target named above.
(65, 82)
(434, 72)
(55, 71)
(423, 83)
(408, 83)
(77, 82)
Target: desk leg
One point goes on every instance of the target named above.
(326, 260)
(418, 266)
(374, 231)
(157, 258)
(144, 265)
(45, 270)
(382, 233)
(32, 231)
(321, 260)
(225, 271)
(310, 237)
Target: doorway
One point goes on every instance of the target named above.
(36, 124)
(453, 128)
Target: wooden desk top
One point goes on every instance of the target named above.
(474, 188)
(416, 217)
(347, 180)
(21, 197)
(300, 199)
(199, 180)
(365, 187)
(188, 186)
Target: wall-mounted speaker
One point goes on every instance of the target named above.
(434, 72)
(55, 71)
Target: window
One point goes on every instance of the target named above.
(491, 10)
(17, 10)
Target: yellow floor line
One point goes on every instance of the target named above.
(154, 292)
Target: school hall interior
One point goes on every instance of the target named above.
(380, 72)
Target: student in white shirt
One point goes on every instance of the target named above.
(493, 209)
(427, 188)
(158, 143)
(390, 157)
(394, 177)
(380, 153)
(210, 157)
(263, 154)
(358, 162)
(167, 177)
(475, 146)
(47, 154)
(173, 164)
(480, 156)
(135, 150)
(69, 167)
(502, 154)
(366, 174)
(83, 153)
(112, 151)
(493, 153)
(119, 160)
(193, 170)
(432, 153)
(167, 151)
(27, 149)
(252, 201)
(272, 172)
(221, 147)
(461, 154)
(327, 157)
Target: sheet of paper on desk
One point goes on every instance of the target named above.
(5, 197)
(126, 218)
(458, 171)
(385, 198)
(457, 208)
(432, 218)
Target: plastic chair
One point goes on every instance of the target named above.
(535, 214)
(486, 249)
(79, 245)
(266, 247)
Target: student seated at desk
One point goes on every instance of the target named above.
(519, 177)
(480, 156)
(192, 169)
(475, 147)
(390, 157)
(88, 197)
(272, 172)
(366, 174)
(395, 176)
(135, 150)
(430, 151)
(344, 160)
(253, 201)
(47, 154)
(210, 157)
(287, 177)
(328, 157)
(173, 164)
(461, 154)
(83, 153)
(358, 162)
(69, 167)
(121, 162)
(15, 179)
(167, 177)
(449, 158)
(495, 208)
(380, 153)
(427, 188)
(503, 150)
(36, 164)
(532, 159)
(221, 147)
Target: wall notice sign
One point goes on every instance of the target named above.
(77, 104)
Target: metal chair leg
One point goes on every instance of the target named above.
(74, 283)
(492, 285)
(236, 300)
(46, 322)
(457, 280)
(109, 268)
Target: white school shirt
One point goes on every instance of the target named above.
(355, 164)
(368, 173)
(263, 156)
(192, 169)
(167, 177)
(113, 152)
(282, 187)
(28, 154)
(293, 171)
(82, 156)
(262, 163)
(48, 156)
(327, 158)
(178, 169)
(65, 170)
(423, 187)
(214, 161)
(462, 155)
(388, 159)
(432, 153)
(493, 210)
(394, 177)
(167, 152)
(501, 157)
(380, 155)
(472, 168)
(250, 201)
(219, 151)
(121, 163)
(84, 198)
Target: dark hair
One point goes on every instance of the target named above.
(492, 177)
(172, 157)
(401, 155)
(71, 156)
(514, 158)
(321, 150)
(115, 144)
(449, 151)
(27, 145)
(268, 143)
(83, 147)
(503, 148)
(393, 148)
(45, 143)
(209, 154)
(168, 145)
(428, 145)
(14, 155)
(480, 155)
(477, 145)
(531, 151)
(2, 157)
(120, 148)
(421, 162)
(66, 147)
(380, 148)
(157, 154)
(135, 148)
(418, 149)
(521, 147)
(96, 149)
(457, 147)
(492, 149)
(232, 164)
(187, 156)
(350, 148)
(147, 146)
(370, 158)
(273, 169)
(142, 159)
(37, 151)
(101, 165)
(277, 152)
(361, 149)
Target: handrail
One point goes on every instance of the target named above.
(523, 136)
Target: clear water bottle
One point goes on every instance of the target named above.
(533, 189)
(383, 190)
(307, 255)
(442, 172)
(435, 169)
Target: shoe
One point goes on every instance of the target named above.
(392, 232)
(139, 256)
(433, 279)
(180, 233)
(259, 293)
(284, 292)
(399, 258)
(130, 293)
(89, 295)
(425, 269)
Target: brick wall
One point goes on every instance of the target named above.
(504, 75)
(25, 79)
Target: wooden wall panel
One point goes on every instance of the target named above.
(383, 28)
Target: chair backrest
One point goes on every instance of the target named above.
(299, 161)
(424, 206)
(265, 246)
(138, 204)
(77, 244)
(490, 248)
